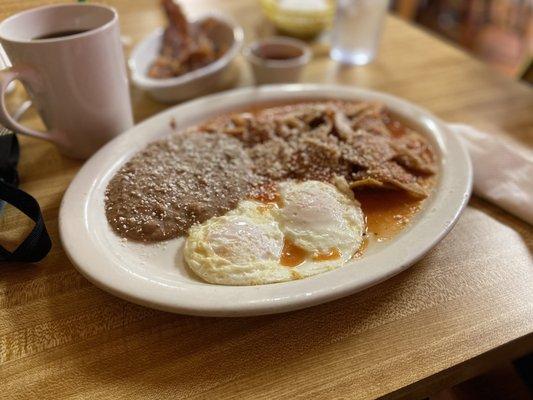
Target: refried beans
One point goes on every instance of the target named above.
(176, 182)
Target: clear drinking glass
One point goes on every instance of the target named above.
(357, 30)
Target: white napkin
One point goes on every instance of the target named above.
(503, 172)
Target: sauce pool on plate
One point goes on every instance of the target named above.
(292, 255)
(387, 211)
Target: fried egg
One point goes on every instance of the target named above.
(313, 228)
(320, 219)
(242, 247)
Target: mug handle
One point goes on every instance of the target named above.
(6, 77)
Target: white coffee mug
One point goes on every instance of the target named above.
(77, 78)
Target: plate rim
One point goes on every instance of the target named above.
(74, 227)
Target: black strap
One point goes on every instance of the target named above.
(37, 245)
(9, 157)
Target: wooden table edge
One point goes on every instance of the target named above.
(465, 370)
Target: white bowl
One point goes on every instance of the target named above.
(267, 70)
(192, 84)
(156, 275)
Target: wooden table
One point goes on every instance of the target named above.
(466, 306)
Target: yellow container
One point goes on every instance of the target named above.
(299, 23)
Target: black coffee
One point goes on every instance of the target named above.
(60, 34)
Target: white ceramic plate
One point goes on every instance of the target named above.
(155, 275)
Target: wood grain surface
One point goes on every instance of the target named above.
(465, 307)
